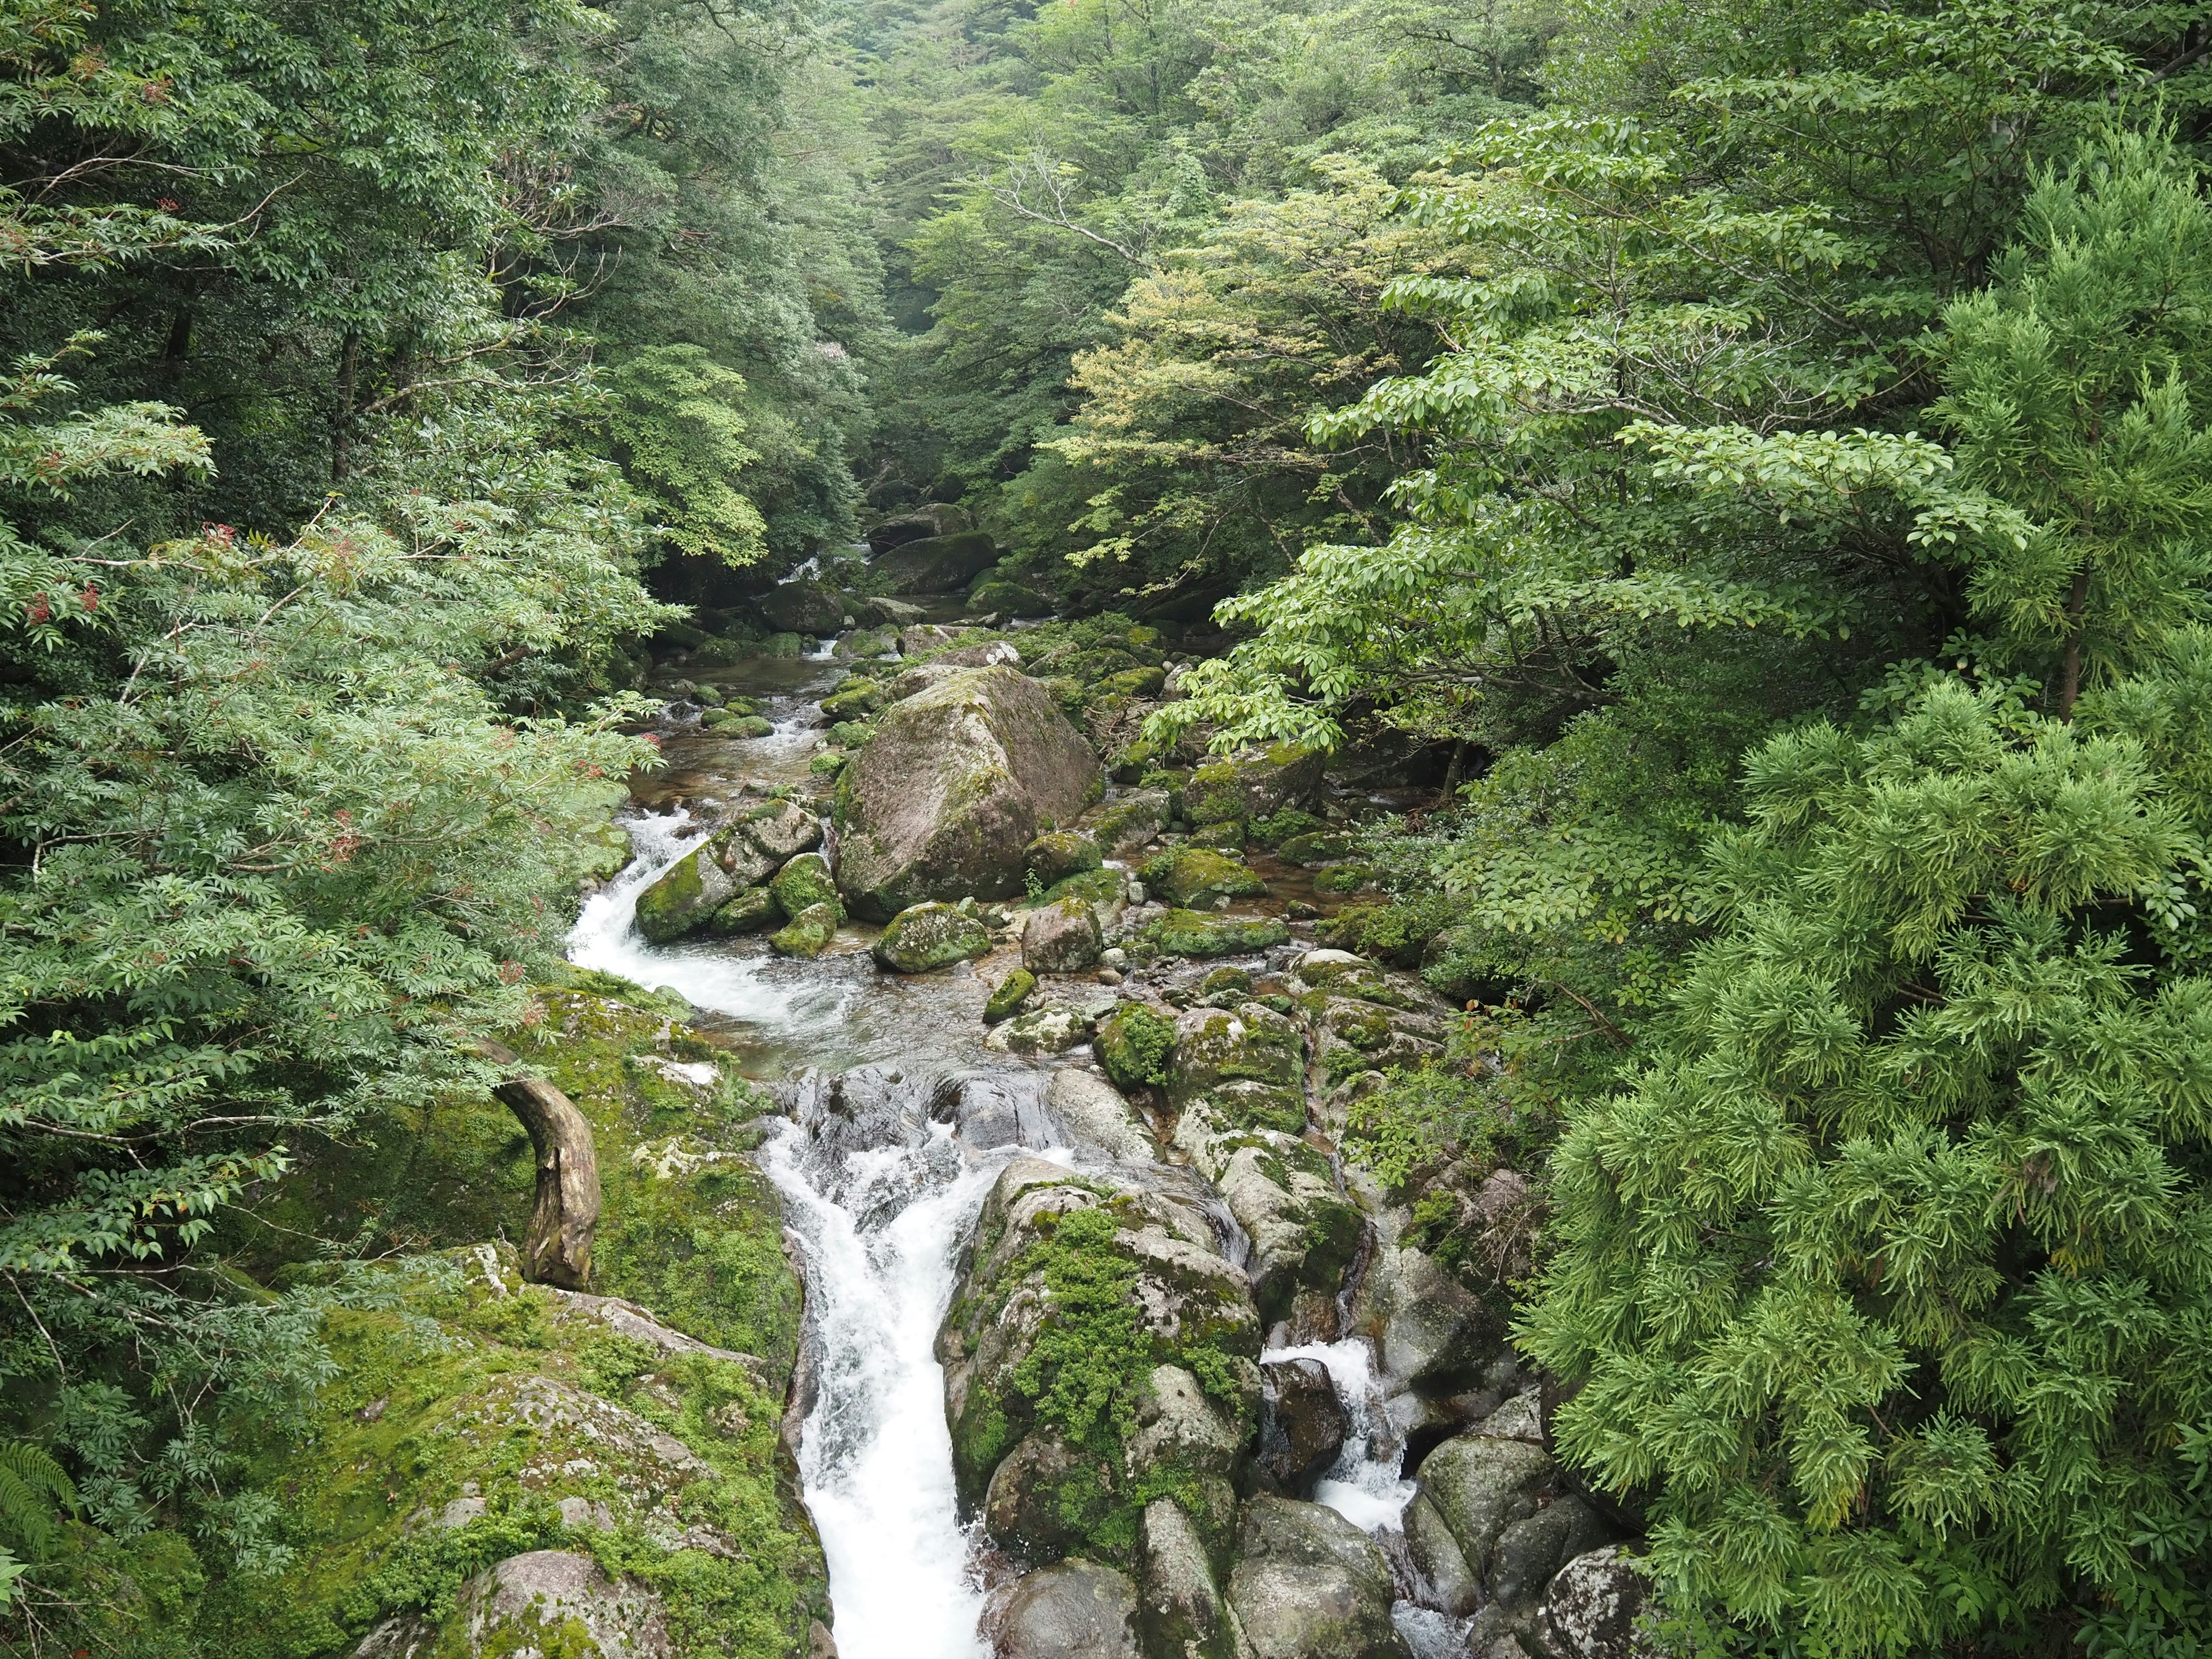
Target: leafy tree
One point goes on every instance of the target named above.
(1887, 1273)
(675, 422)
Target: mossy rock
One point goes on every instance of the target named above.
(1062, 854)
(1317, 846)
(857, 701)
(750, 912)
(1188, 933)
(1132, 821)
(851, 734)
(924, 937)
(936, 564)
(1009, 599)
(1253, 785)
(1101, 888)
(1225, 987)
(1190, 876)
(804, 882)
(727, 725)
(778, 645)
(828, 765)
(1007, 1001)
(806, 934)
(1338, 880)
(1227, 836)
(1051, 1031)
(684, 897)
(1135, 1044)
(1143, 682)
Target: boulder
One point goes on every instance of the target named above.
(923, 937)
(1447, 1582)
(806, 934)
(1062, 854)
(932, 519)
(803, 883)
(1077, 1610)
(779, 829)
(954, 787)
(1096, 1117)
(1106, 891)
(1189, 933)
(1006, 1000)
(859, 699)
(559, 1601)
(752, 909)
(1253, 785)
(1250, 1045)
(1596, 1608)
(1062, 938)
(1026, 1508)
(1431, 1335)
(936, 564)
(1180, 1612)
(1529, 1551)
(1480, 1484)
(1310, 1586)
(805, 606)
(683, 897)
(1195, 876)
(1302, 1426)
(724, 723)
(1132, 821)
(1051, 1031)
(995, 1109)
(1134, 1045)
(1305, 1234)
(1008, 599)
(1316, 846)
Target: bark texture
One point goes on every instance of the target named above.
(566, 1213)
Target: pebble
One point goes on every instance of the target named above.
(1108, 977)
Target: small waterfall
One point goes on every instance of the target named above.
(1364, 1485)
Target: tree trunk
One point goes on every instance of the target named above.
(567, 1211)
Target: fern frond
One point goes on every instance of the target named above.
(35, 1490)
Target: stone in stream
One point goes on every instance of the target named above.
(1006, 1000)
(1180, 1612)
(924, 937)
(805, 606)
(744, 852)
(1252, 785)
(936, 564)
(725, 723)
(1077, 1610)
(1305, 1233)
(1096, 1117)
(1188, 933)
(1195, 876)
(752, 909)
(1052, 1030)
(1310, 1586)
(1062, 938)
(1129, 823)
(803, 883)
(1480, 1484)
(1063, 853)
(685, 896)
(806, 934)
(859, 699)
(1135, 1044)
(1431, 1335)
(931, 519)
(956, 784)
(995, 1109)
(1235, 1071)
(1302, 1426)
(1448, 1582)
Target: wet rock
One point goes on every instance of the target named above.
(1062, 938)
(803, 607)
(1188, 933)
(932, 519)
(1310, 1586)
(1305, 1233)
(1130, 822)
(923, 937)
(685, 896)
(1027, 1508)
(1253, 785)
(1062, 854)
(1302, 1426)
(1180, 1612)
(803, 883)
(806, 934)
(1594, 1609)
(936, 564)
(1009, 599)
(752, 909)
(1447, 1583)
(859, 699)
(1051, 1031)
(557, 1601)
(995, 1109)
(1135, 1044)
(1077, 1610)
(1180, 1426)
(1530, 1550)
(1231, 1071)
(953, 789)
(1006, 1000)
(1195, 876)
(990, 653)
(777, 829)
(1104, 891)
(1316, 846)
(1481, 1485)
(1096, 1117)
(729, 723)
(1431, 1335)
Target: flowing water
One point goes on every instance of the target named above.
(883, 1196)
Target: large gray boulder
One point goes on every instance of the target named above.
(1309, 1584)
(1180, 1611)
(931, 519)
(803, 607)
(1480, 1485)
(937, 564)
(1097, 1116)
(1431, 1333)
(1596, 1608)
(1305, 1234)
(558, 1601)
(957, 783)
(742, 854)
(1062, 938)
(1077, 1610)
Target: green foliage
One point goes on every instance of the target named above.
(675, 421)
(36, 1492)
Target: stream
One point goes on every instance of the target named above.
(883, 1194)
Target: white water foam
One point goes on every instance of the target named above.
(1363, 1485)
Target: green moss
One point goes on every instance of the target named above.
(858, 699)
(803, 883)
(1194, 876)
(752, 909)
(1132, 1044)
(667, 908)
(1013, 992)
(807, 934)
(851, 734)
(1188, 933)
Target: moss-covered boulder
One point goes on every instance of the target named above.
(1135, 1044)
(931, 519)
(807, 933)
(1062, 938)
(923, 937)
(1317, 846)
(1305, 1233)
(1127, 824)
(851, 734)
(856, 701)
(1076, 1292)
(683, 897)
(753, 909)
(1006, 599)
(730, 723)
(805, 882)
(1048, 1030)
(1192, 877)
(1253, 785)
(1307, 1584)
(1250, 1044)
(1189, 933)
(959, 779)
(936, 564)
(1060, 853)
(1105, 891)
(1006, 1000)
(804, 606)
(1145, 681)
(745, 853)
